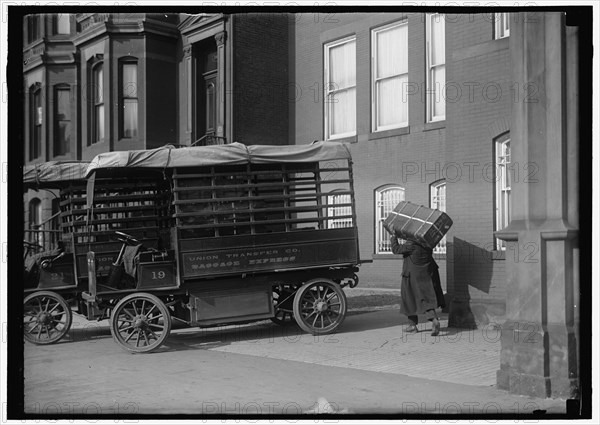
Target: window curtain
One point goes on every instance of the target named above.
(99, 106)
(62, 23)
(503, 188)
(438, 201)
(63, 121)
(130, 103)
(387, 199)
(391, 76)
(342, 89)
(437, 71)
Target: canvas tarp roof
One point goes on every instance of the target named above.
(53, 173)
(230, 154)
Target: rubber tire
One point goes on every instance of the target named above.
(298, 299)
(167, 322)
(67, 309)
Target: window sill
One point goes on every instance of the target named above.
(389, 133)
(434, 125)
(349, 139)
(59, 37)
(389, 256)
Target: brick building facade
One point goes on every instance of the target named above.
(97, 82)
(420, 155)
(139, 81)
(425, 102)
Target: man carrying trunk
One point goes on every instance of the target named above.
(421, 290)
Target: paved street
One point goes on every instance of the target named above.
(370, 366)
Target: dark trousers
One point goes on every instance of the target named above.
(430, 316)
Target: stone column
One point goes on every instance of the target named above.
(540, 336)
(220, 39)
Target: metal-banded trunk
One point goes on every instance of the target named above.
(418, 223)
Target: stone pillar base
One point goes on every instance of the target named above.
(538, 361)
(536, 386)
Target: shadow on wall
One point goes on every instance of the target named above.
(473, 267)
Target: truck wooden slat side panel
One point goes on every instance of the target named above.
(225, 226)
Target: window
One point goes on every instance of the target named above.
(436, 66)
(62, 24)
(97, 96)
(129, 99)
(62, 120)
(35, 213)
(339, 211)
(438, 201)
(502, 189)
(501, 25)
(389, 59)
(35, 119)
(386, 199)
(340, 89)
(33, 28)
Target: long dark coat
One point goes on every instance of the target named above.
(421, 289)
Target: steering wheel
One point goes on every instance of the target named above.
(127, 239)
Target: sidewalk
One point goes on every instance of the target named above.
(371, 357)
(370, 366)
(455, 368)
(374, 341)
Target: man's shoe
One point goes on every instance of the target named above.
(411, 329)
(435, 328)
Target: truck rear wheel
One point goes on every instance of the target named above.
(320, 306)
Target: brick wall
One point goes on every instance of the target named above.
(260, 78)
(479, 111)
(161, 90)
(379, 158)
(425, 153)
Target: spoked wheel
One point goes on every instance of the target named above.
(140, 323)
(283, 298)
(47, 317)
(320, 306)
